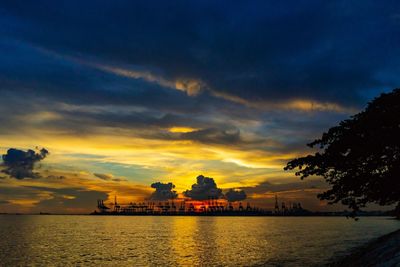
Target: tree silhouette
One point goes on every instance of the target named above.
(359, 158)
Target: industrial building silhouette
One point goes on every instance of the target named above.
(210, 207)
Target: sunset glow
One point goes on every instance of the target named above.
(168, 97)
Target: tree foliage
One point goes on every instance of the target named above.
(359, 158)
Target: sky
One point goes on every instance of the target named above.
(126, 94)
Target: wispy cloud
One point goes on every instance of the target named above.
(194, 86)
(190, 86)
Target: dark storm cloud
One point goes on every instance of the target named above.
(275, 134)
(54, 177)
(329, 51)
(143, 122)
(102, 176)
(3, 202)
(220, 134)
(204, 189)
(263, 52)
(268, 187)
(213, 135)
(164, 191)
(235, 195)
(108, 177)
(146, 119)
(63, 58)
(19, 164)
(88, 98)
(28, 72)
(68, 199)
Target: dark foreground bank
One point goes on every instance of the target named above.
(384, 251)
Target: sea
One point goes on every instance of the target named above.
(73, 240)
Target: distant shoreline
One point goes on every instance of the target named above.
(383, 251)
(319, 214)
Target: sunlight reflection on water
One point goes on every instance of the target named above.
(171, 241)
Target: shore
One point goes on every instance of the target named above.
(384, 251)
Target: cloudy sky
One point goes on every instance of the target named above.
(124, 94)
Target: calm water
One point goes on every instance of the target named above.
(173, 241)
